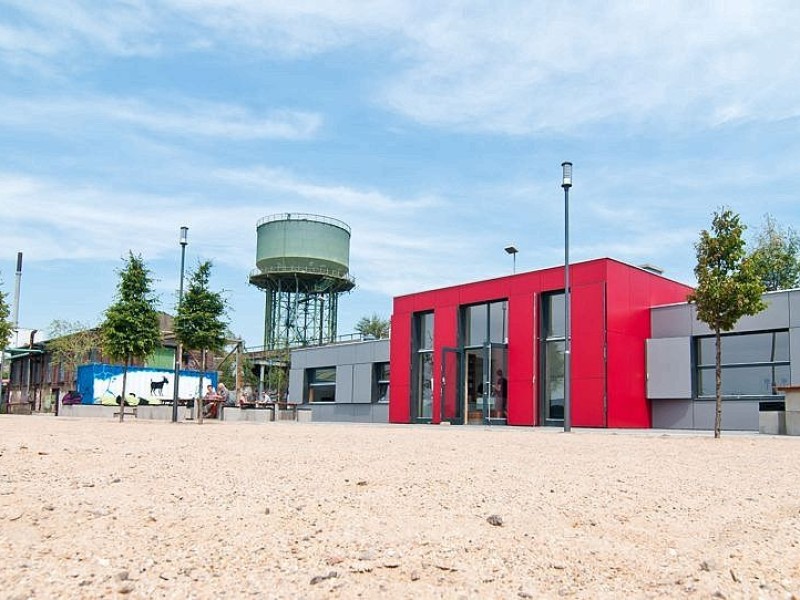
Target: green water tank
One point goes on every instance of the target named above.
(303, 243)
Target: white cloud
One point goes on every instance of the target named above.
(173, 116)
(516, 67)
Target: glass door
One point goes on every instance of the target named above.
(497, 376)
(475, 386)
(451, 396)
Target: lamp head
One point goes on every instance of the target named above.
(566, 178)
(511, 249)
(184, 236)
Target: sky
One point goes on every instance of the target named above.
(435, 130)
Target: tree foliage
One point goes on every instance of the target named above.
(131, 329)
(373, 326)
(6, 326)
(776, 256)
(200, 322)
(728, 287)
(71, 343)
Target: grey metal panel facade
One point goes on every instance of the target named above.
(296, 384)
(669, 368)
(794, 308)
(350, 413)
(355, 364)
(737, 415)
(679, 320)
(673, 414)
(671, 321)
(775, 316)
(344, 384)
(363, 383)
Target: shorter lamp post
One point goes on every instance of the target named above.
(179, 350)
(566, 183)
(512, 250)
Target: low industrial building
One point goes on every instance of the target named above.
(759, 356)
(342, 382)
(492, 352)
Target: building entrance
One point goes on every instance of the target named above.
(474, 385)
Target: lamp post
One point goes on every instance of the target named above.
(179, 351)
(512, 250)
(566, 183)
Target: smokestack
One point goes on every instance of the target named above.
(17, 282)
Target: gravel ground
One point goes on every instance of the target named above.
(96, 509)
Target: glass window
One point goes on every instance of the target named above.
(382, 382)
(486, 323)
(753, 364)
(321, 384)
(498, 322)
(475, 325)
(425, 331)
(554, 316)
(554, 346)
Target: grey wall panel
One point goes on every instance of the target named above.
(794, 355)
(672, 414)
(363, 383)
(380, 413)
(775, 316)
(350, 413)
(669, 368)
(671, 321)
(296, 384)
(738, 415)
(364, 353)
(299, 359)
(344, 384)
(794, 308)
(381, 351)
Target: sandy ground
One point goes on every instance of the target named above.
(98, 509)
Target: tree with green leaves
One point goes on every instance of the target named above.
(6, 329)
(71, 344)
(200, 322)
(728, 286)
(131, 329)
(6, 326)
(776, 256)
(373, 326)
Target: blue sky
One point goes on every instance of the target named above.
(436, 130)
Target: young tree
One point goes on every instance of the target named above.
(200, 321)
(6, 329)
(373, 326)
(130, 330)
(776, 256)
(71, 344)
(727, 286)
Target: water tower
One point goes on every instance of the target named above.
(303, 263)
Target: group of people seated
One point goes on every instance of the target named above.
(214, 399)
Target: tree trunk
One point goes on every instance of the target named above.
(200, 399)
(124, 385)
(718, 372)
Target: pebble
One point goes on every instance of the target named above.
(495, 520)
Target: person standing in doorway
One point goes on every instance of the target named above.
(500, 394)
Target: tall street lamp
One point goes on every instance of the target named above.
(566, 183)
(179, 351)
(512, 250)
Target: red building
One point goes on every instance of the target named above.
(493, 351)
